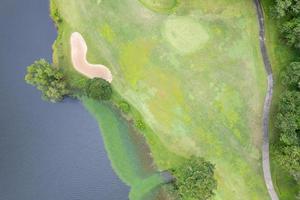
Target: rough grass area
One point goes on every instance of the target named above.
(200, 92)
(280, 56)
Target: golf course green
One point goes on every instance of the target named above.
(190, 70)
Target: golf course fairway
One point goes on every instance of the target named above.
(191, 70)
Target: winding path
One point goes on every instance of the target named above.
(267, 104)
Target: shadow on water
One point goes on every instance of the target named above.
(47, 151)
(70, 100)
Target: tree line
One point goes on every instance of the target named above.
(287, 149)
(288, 12)
(53, 83)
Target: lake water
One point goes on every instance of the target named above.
(47, 151)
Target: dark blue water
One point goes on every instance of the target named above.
(47, 151)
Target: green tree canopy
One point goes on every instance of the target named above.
(48, 79)
(291, 32)
(288, 118)
(285, 8)
(98, 89)
(288, 113)
(289, 158)
(288, 124)
(195, 179)
(291, 76)
(288, 11)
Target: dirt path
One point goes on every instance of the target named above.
(267, 104)
(78, 54)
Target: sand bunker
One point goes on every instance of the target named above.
(78, 54)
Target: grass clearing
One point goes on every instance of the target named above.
(197, 95)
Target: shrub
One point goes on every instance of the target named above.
(140, 124)
(98, 89)
(54, 13)
(124, 106)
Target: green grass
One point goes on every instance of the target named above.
(285, 185)
(280, 56)
(201, 94)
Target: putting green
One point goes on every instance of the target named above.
(159, 5)
(185, 34)
(195, 75)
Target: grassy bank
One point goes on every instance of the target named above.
(281, 56)
(193, 74)
(129, 154)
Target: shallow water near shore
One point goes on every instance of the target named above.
(47, 151)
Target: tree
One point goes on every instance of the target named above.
(98, 89)
(289, 13)
(48, 79)
(291, 76)
(291, 32)
(288, 124)
(289, 158)
(195, 179)
(283, 8)
(287, 120)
